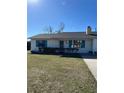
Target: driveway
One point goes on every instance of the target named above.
(92, 65)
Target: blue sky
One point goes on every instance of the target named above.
(75, 14)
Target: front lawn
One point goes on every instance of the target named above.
(56, 74)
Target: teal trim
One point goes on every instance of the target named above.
(61, 44)
(83, 44)
(37, 43)
(46, 43)
(70, 43)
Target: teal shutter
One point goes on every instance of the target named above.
(70, 43)
(83, 44)
(61, 44)
(45, 43)
(37, 43)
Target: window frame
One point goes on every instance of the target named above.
(76, 43)
(41, 43)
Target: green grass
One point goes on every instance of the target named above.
(55, 74)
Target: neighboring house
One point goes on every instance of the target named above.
(74, 42)
(28, 45)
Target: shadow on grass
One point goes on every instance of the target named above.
(77, 55)
(88, 56)
(70, 55)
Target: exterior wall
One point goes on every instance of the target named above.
(33, 45)
(88, 47)
(50, 43)
(53, 43)
(94, 45)
(66, 44)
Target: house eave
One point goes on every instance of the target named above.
(62, 38)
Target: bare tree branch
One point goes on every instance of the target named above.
(49, 29)
(61, 27)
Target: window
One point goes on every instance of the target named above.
(67, 41)
(41, 43)
(76, 43)
(61, 44)
(70, 43)
(83, 44)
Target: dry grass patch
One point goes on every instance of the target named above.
(55, 74)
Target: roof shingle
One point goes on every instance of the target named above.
(66, 35)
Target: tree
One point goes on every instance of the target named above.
(61, 27)
(49, 29)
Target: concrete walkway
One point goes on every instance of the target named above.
(92, 65)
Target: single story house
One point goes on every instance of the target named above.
(74, 42)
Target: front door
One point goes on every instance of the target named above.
(61, 44)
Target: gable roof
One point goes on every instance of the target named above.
(66, 35)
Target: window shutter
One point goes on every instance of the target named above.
(70, 43)
(45, 43)
(37, 43)
(83, 44)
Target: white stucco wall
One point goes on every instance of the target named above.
(50, 43)
(94, 45)
(88, 47)
(33, 45)
(53, 43)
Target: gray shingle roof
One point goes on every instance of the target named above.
(66, 35)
